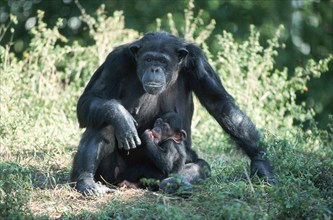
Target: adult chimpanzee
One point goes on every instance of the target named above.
(164, 145)
(136, 83)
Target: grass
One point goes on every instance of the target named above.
(34, 184)
(39, 134)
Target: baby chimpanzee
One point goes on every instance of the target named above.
(165, 148)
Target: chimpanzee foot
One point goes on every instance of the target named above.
(263, 169)
(128, 184)
(176, 185)
(89, 187)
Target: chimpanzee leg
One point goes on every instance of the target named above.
(110, 167)
(144, 170)
(192, 173)
(95, 145)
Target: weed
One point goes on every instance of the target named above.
(39, 132)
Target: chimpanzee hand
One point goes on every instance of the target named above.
(177, 185)
(262, 168)
(147, 136)
(125, 131)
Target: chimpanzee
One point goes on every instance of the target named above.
(164, 145)
(136, 83)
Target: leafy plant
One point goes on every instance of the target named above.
(39, 133)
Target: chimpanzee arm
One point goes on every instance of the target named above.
(211, 93)
(159, 157)
(98, 107)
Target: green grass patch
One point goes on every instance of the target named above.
(39, 133)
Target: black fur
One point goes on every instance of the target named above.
(166, 156)
(136, 83)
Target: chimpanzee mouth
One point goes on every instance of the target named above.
(153, 84)
(153, 88)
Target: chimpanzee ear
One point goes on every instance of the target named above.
(179, 136)
(134, 48)
(184, 135)
(182, 53)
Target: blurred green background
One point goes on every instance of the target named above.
(307, 34)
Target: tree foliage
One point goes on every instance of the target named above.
(307, 33)
(39, 131)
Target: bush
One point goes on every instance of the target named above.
(14, 185)
(39, 132)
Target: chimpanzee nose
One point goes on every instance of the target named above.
(158, 130)
(155, 69)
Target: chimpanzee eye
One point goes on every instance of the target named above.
(165, 127)
(162, 61)
(148, 59)
(158, 123)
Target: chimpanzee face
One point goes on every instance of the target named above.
(163, 129)
(169, 126)
(156, 69)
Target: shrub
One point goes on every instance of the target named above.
(39, 132)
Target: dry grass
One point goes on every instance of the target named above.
(39, 136)
(63, 201)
